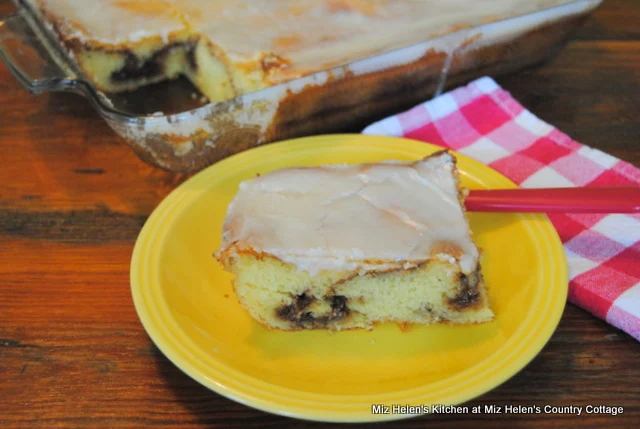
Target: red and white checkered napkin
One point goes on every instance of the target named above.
(484, 122)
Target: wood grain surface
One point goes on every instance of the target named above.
(73, 353)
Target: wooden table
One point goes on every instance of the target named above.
(73, 353)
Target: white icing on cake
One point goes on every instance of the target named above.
(366, 217)
(112, 22)
(319, 34)
(310, 35)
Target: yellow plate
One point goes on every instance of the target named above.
(187, 305)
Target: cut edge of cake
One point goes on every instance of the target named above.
(158, 54)
(347, 300)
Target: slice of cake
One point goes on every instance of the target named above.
(341, 247)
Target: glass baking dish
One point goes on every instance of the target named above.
(171, 126)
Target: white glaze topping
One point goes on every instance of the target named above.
(310, 35)
(371, 216)
(112, 22)
(318, 34)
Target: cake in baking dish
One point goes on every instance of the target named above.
(342, 247)
(232, 47)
